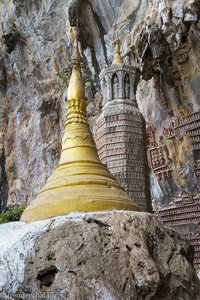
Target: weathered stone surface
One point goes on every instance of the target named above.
(32, 111)
(107, 255)
(168, 94)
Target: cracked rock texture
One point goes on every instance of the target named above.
(107, 255)
(161, 38)
(166, 48)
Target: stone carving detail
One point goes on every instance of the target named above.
(120, 135)
(193, 238)
(182, 53)
(150, 135)
(159, 162)
(191, 125)
(170, 131)
(115, 87)
(182, 211)
(176, 74)
(197, 168)
(117, 83)
(127, 87)
(157, 156)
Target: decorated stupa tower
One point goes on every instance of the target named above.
(120, 131)
(80, 182)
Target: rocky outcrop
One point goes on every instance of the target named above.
(107, 255)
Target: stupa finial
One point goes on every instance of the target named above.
(118, 60)
(76, 88)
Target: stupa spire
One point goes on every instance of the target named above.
(118, 60)
(80, 182)
(76, 89)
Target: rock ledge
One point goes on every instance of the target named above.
(107, 255)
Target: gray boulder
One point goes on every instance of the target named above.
(107, 255)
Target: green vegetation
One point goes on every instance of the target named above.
(65, 72)
(11, 214)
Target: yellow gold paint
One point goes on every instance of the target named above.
(118, 60)
(76, 88)
(80, 182)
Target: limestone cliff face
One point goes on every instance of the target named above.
(168, 95)
(161, 38)
(34, 44)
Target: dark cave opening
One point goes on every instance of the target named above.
(47, 276)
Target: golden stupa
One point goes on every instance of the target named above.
(117, 60)
(80, 182)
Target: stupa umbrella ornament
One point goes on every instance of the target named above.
(80, 182)
(117, 60)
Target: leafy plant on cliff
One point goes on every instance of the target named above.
(65, 72)
(11, 214)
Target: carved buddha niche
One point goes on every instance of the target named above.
(115, 87)
(127, 86)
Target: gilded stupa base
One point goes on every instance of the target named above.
(77, 200)
(80, 186)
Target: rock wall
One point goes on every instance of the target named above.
(161, 38)
(32, 51)
(168, 96)
(109, 255)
